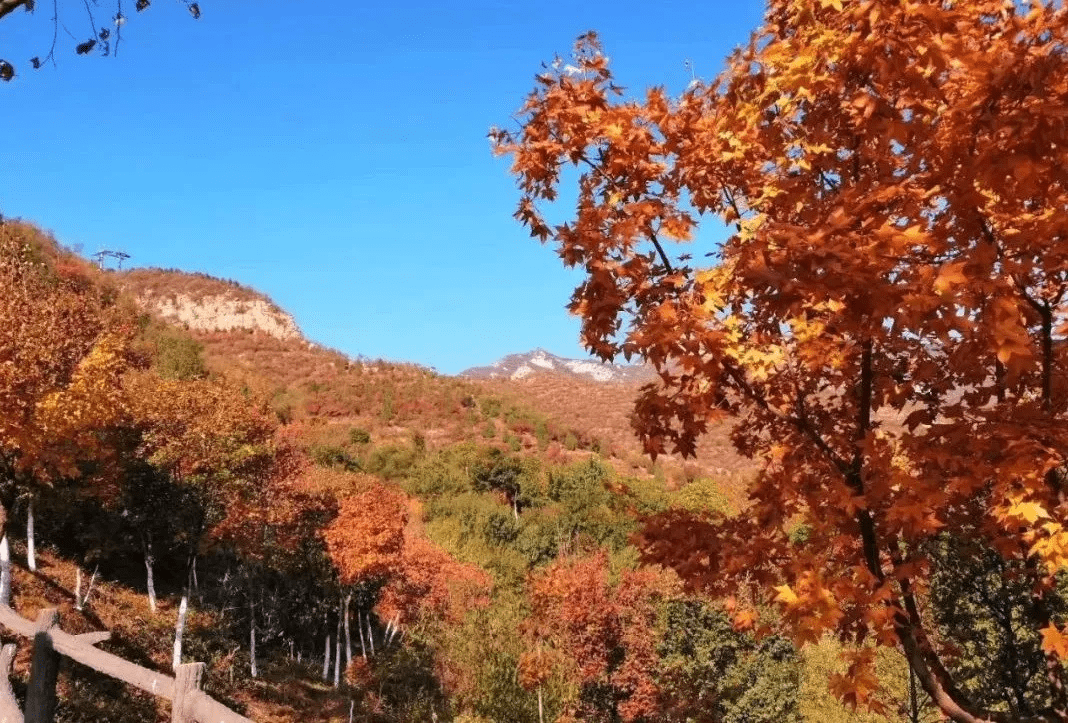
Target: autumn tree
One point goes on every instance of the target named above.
(273, 529)
(884, 322)
(366, 538)
(64, 354)
(601, 635)
(209, 440)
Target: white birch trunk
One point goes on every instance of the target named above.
(80, 601)
(370, 633)
(252, 637)
(179, 630)
(150, 581)
(337, 658)
(541, 709)
(359, 629)
(392, 631)
(326, 659)
(348, 635)
(31, 552)
(5, 571)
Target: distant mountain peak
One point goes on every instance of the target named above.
(541, 361)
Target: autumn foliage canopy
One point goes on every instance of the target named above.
(67, 346)
(884, 321)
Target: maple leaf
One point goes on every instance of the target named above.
(786, 595)
(1055, 642)
(950, 276)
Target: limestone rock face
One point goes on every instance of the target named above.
(223, 313)
(207, 304)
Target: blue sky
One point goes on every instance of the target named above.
(331, 154)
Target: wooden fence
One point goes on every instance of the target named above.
(189, 704)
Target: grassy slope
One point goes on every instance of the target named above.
(285, 691)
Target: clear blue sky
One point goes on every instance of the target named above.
(330, 154)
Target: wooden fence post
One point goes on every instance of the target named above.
(9, 706)
(44, 669)
(187, 678)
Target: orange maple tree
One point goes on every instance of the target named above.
(884, 321)
(601, 635)
(432, 585)
(366, 538)
(65, 347)
(370, 540)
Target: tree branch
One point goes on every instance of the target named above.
(660, 250)
(9, 6)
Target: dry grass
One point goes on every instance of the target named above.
(284, 692)
(170, 283)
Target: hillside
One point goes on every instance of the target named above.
(204, 303)
(603, 410)
(308, 508)
(537, 403)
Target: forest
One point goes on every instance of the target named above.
(881, 334)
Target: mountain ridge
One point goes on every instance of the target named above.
(207, 303)
(540, 361)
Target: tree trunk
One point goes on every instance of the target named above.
(370, 633)
(80, 600)
(31, 552)
(252, 637)
(326, 659)
(359, 629)
(179, 630)
(541, 708)
(337, 658)
(348, 635)
(5, 571)
(150, 581)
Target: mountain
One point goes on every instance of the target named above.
(247, 337)
(540, 361)
(205, 304)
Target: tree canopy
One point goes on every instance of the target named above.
(884, 323)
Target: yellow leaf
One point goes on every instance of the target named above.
(1029, 511)
(786, 595)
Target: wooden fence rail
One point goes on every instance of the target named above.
(189, 703)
